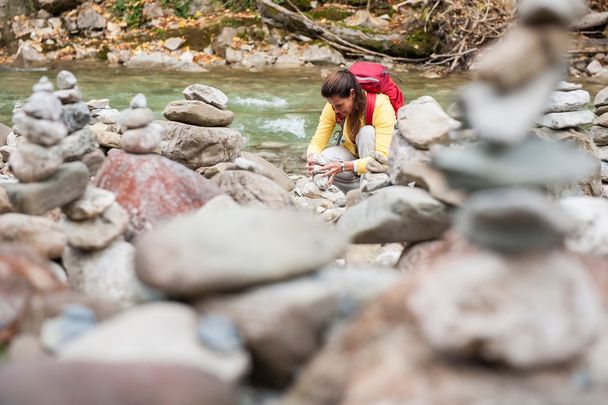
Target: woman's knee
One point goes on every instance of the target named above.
(367, 133)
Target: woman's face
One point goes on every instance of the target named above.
(342, 105)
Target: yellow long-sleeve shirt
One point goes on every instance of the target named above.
(383, 123)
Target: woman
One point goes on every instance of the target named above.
(345, 97)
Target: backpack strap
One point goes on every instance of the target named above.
(369, 111)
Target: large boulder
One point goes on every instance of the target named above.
(305, 308)
(424, 123)
(42, 234)
(199, 113)
(162, 333)
(249, 188)
(225, 248)
(199, 146)
(54, 382)
(271, 171)
(152, 188)
(395, 214)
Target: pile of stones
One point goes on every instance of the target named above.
(197, 134)
(139, 132)
(599, 133)
(80, 143)
(105, 123)
(567, 108)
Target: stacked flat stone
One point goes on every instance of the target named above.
(567, 108)
(105, 123)
(139, 133)
(81, 143)
(44, 181)
(599, 133)
(197, 134)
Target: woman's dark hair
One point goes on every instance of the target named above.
(340, 84)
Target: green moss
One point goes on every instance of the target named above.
(102, 54)
(131, 11)
(181, 7)
(330, 13)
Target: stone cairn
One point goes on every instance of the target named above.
(139, 132)
(518, 233)
(80, 143)
(599, 134)
(201, 117)
(104, 123)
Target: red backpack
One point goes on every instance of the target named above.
(375, 78)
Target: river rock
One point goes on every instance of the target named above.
(395, 214)
(594, 67)
(567, 119)
(32, 162)
(591, 225)
(89, 19)
(133, 118)
(43, 105)
(105, 137)
(371, 182)
(424, 123)
(601, 98)
(92, 203)
(5, 203)
(42, 132)
(55, 382)
(423, 176)
(106, 273)
(198, 113)
(323, 55)
(599, 134)
(161, 333)
(233, 56)
(590, 21)
(252, 189)
(602, 120)
(75, 116)
(174, 43)
(513, 220)
(42, 234)
(98, 232)
(567, 86)
(223, 40)
(601, 110)
(142, 140)
(69, 96)
(24, 276)
(233, 238)
(65, 186)
(66, 80)
(93, 160)
(197, 146)
(78, 143)
(271, 171)
(401, 152)
(306, 308)
(452, 299)
(208, 94)
(152, 188)
(564, 101)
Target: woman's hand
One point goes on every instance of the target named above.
(310, 163)
(330, 170)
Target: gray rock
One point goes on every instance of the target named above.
(233, 56)
(198, 113)
(371, 182)
(599, 134)
(209, 95)
(133, 118)
(288, 62)
(89, 19)
(42, 132)
(154, 60)
(160, 333)
(109, 117)
(257, 59)
(271, 171)
(43, 85)
(69, 96)
(93, 160)
(72, 323)
(142, 140)
(567, 86)
(402, 152)
(591, 225)
(197, 146)
(323, 55)
(567, 119)
(173, 44)
(395, 214)
(247, 188)
(421, 175)
(105, 137)
(32, 162)
(561, 11)
(42, 234)
(28, 57)
(98, 232)
(223, 41)
(43, 105)
(97, 104)
(564, 101)
(78, 143)
(602, 120)
(75, 116)
(107, 273)
(93, 203)
(306, 308)
(65, 186)
(424, 123)
(225, 249)
(66, 80)
(139, 101)
(594, 68)
(590, 21)
(533, 163)
(513, 221)
(601, 98)
(451, 301)
(601, 110)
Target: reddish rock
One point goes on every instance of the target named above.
(23, 276)
(65, 383)
(153, 188)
